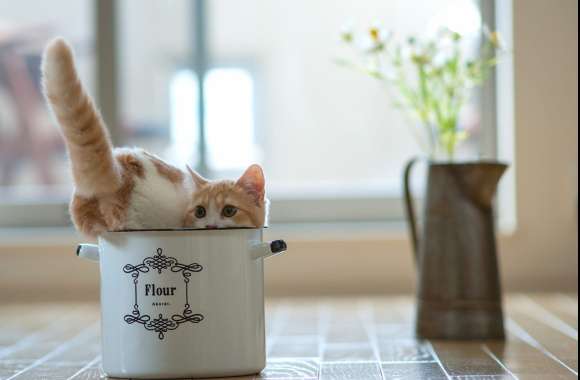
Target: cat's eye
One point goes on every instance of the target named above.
(200, 212)
(229, 211)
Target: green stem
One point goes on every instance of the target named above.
(425, 101)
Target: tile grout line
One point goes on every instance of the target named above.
(552, 320)
(69, 343)
(494, 357)
(437, 359)
(373, 330)
(476, 376)
(409, 362)
(86, 366)
(379, 362)
(523, 335)
(369, 326)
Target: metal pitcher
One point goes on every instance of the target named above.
(458, 294)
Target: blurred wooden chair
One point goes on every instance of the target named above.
(31, 138)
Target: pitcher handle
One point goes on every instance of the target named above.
(410, 209)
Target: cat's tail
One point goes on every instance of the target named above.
(94, 168)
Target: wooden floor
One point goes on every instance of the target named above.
(355, 338)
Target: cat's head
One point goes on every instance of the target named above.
(227, 203)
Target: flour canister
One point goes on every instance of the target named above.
(182, 303)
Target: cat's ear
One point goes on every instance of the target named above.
(252, 181)
(197, 179)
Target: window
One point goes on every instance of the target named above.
(230, 135)
(229, 118)
(221, 84)
(152, 56)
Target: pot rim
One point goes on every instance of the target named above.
(186, 229)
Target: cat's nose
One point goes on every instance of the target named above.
(211, 226)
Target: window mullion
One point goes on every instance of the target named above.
(107, 90)
(199, 64)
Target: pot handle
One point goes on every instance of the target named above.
(88, 251)
(410, 209)
(269, 248)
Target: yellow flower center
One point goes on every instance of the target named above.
(495, 39)
(374, 32)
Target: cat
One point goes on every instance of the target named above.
(129, 188)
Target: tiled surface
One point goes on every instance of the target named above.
(354, 338)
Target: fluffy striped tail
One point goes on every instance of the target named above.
(95, 170)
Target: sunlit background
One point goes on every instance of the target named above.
(272, 93)
(222, 84)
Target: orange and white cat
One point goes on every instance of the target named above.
(128, 188)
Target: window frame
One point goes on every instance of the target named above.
(308, 206)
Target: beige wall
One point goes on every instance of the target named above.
(544, 251)
(541, 254)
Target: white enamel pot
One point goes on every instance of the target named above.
(182, 303)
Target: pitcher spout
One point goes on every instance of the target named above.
(479, 181)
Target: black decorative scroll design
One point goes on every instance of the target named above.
(186, 271)
(161, 324)
(159, 261)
